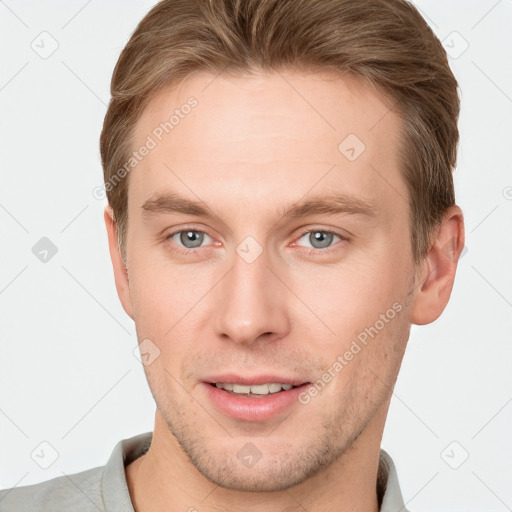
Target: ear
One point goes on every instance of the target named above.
(434, 286)
(120, 270)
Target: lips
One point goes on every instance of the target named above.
(253, 398)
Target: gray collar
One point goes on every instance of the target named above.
(387, 480)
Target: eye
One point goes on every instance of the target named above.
(320, 238)
(189, 239)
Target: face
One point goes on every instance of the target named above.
(268, 242)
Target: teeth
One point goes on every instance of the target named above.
(227, 387)
(260, 389)
(237, 388)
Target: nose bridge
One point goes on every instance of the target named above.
(251, 301)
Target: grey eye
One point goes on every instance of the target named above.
(320, 239)
(190, 239)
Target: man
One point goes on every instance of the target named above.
(281, 210)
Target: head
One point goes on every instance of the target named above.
(281, 202)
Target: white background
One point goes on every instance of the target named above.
(68, 375)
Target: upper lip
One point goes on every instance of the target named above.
(254, 380)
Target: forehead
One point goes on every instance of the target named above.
(253, 135)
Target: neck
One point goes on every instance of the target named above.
(165, 479)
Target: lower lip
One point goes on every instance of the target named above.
(253, 409)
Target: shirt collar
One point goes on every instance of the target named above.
(392, 500)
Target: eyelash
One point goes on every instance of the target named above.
(308, 250)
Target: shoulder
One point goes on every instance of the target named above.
(79, 491)
(93, 490)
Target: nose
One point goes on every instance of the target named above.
(251, 302)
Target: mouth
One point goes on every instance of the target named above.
(255, 399)
(254, 391)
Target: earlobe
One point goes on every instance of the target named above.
(434, 287)
(118, 265)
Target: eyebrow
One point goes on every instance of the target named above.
(170, 203)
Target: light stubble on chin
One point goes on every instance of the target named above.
(287, 465)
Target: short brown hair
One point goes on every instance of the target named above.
(386, 43)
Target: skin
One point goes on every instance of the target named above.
(252, 146)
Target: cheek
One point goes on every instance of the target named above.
(349, 297)
(162, 292)
(362, 365)
(364, 307)
(172, 306)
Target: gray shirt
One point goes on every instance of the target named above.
(104, 488)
